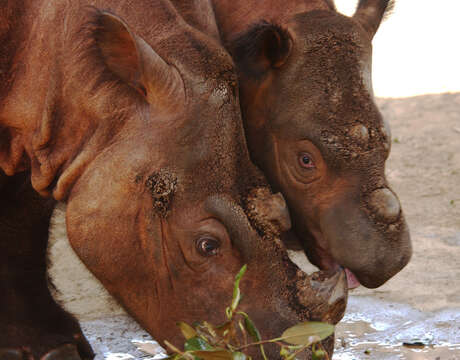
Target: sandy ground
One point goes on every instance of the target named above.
(422, 301)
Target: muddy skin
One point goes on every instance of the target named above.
(135, 124)
(162, 186)
(265, 211)
(314, 130)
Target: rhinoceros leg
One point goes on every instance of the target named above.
(32, 324)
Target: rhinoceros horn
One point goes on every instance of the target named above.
(136, 63)
(369, 13)
(235, 219)
(268, 213)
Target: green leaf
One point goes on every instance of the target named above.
(197, 343)
(253, 331)
(236, 289)
(187, 330)
(251, 328)
(218, 354)
(307, 333)
(238, 356)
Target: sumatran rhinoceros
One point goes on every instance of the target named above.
(135, 125)
(313, 128)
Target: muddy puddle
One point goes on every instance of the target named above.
(371, 329)
(375, 329)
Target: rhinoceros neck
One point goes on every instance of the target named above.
(234, 17)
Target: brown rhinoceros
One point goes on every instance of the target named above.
(135, 125)
(313, 128)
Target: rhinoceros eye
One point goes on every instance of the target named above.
(306, 161)
(207, 246)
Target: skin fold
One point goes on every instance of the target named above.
(131, 117)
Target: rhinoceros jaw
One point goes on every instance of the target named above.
(326, 261)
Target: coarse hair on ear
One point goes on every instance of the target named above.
(263, 47)
(370, 13)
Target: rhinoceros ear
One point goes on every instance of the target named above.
(263, 47)
(136, 63)
(370, 13)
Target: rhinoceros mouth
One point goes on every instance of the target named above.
(352, 280)
(328, 264)
(316, 261)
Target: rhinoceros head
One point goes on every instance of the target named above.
(315, 131)
(164, 205)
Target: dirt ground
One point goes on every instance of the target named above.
(422, 301)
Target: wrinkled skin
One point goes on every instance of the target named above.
(313, 128)
(135, 125)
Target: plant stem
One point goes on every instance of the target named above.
(176, 350)
(325, 352)
(256, 343)
(262, 351)
(300, 350)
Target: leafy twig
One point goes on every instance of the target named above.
(205, 341)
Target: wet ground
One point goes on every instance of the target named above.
(381, 330)
(419, 306)
(371, 329)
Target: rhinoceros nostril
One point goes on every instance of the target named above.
(385, 205)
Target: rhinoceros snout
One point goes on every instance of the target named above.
(385, 205)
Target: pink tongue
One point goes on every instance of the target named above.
(353, 282)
